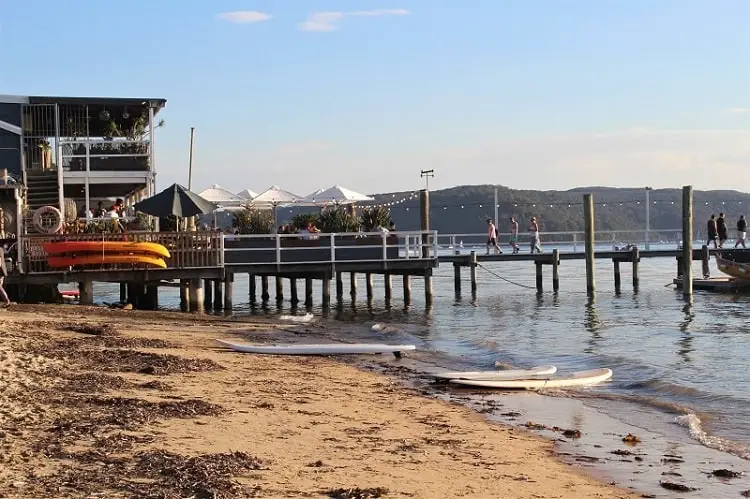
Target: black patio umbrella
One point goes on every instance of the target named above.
(175, 200)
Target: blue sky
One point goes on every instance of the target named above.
(305, 94)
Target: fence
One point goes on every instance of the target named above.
(571, 241)
(187, 249)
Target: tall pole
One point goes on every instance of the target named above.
(687, 240)
(496, 221)
(190, 161)
(648, 216)
(426, 174)
(588, 218)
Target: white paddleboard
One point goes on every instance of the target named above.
(498, 375)
(317, 349)
(581, 378)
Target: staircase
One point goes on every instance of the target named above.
(42, 189)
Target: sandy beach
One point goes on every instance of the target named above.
(97, 402)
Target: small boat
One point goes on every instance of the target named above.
(734, 263)
(577, 379)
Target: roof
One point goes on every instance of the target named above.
(156, 103)
(247, 194)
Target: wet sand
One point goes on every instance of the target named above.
(151, 406)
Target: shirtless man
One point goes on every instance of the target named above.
(492, 237)
(514, 235)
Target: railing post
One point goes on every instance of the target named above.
(385, 246)
(435, 245)
(221, 250)
(575, 243)
(333, 248)
(406, 246)
(278, 249)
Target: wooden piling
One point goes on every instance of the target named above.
(228, 291)
(407, 289)
(279, 289)
(428, 291)
(588, 214)
(687, 240)
(251, 288)
(86, 292)
(294, 298)
(457, 278)
(196, 295)
(705, 257)
(152, 297)
(218, 295)
(208, 293)
(264, 294)
(123, 292)
(388, 284)
(308, 292)
(353, 284)
(473, 272)
(635, 258)
(339, 286)
(369, 286)
(184, 296)
(618, 282)
(555, 270)
(539, 277)
(424, 221)
(326, 291)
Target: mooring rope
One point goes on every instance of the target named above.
(505, 279)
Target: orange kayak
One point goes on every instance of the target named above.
(57, 262)
(63, 247)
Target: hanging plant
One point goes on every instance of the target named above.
(254, 221)
(372, 218)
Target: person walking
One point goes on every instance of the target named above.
(536, 244)
(514, 235)
(492, 237)
(741, 231)
(721, 229)
(711, 231)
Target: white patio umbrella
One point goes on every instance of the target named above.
(272, 198)
(247, 194)
(221, 196)
(338, 195)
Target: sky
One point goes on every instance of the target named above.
(304, 94)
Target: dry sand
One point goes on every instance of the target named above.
(153, 408)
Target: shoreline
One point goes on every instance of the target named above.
(153, 405)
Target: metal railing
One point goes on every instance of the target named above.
(328, 248)
(568, 241)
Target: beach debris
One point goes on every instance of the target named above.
(724, 473)
(316, 464)
(572, 433)
(92, 329)
(297, 318)
(535, 426)
(511, 414)
(668, 460)
(677, 487)
(357, 493)
(631, 439)
(745, 493)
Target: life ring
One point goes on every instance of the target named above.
(48, 220)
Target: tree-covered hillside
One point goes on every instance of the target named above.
(464, 209)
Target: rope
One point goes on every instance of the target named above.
(504, 279)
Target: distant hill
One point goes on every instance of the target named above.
(464, 209)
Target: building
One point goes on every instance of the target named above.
(80, 150)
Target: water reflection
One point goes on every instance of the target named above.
(686, 341)
(592, 323)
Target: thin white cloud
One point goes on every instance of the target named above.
(329, 21)
(244, 16)
(737, 110)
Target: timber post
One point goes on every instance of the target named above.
(279, 289)
(588, 215)
(251, 288)
(473, 273)
(616, 264)
(369, 286)
(152, 297)
(308, 292)
(407, 289)
(635, 256)
(184, 296)
(539, 276)
(687, 240)
(264, 294)
(326, 291)
(353, 285)
(228, 291)
(208, 293)
(428, 292)
(339, 286)
(705, 257)
(196, 295)
(123, 292)
(555, 270)
(218, 295)
(86, 292)
(388, 283)
(294, 298)
(457, 278)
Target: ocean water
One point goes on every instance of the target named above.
(676, 364)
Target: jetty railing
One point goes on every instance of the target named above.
(187, 249)
(568, 241)
(324, 248)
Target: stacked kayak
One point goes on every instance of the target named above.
(96, 253)
(530, 379)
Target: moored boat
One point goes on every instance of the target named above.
(734, 263)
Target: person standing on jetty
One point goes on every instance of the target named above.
(492, 237)
(721, 228)
(711, 230)
(741, 231)
(514, 235)
(536, 244)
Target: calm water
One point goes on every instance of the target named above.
(673, 361)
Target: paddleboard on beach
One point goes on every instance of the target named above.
(317, 349)
(498, 375)
(581, 378)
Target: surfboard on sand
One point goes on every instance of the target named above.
(581, 378)
(318, 349)
(498, 375)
